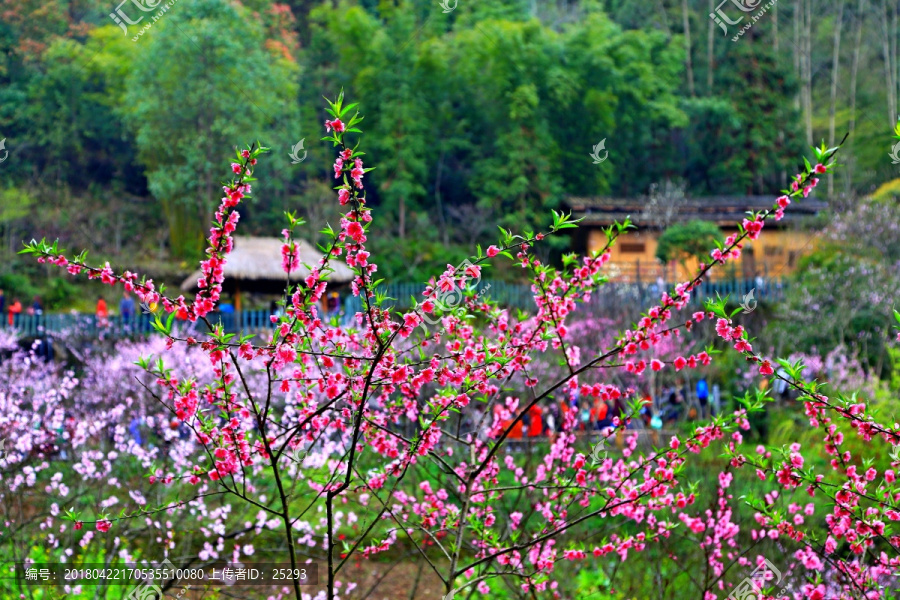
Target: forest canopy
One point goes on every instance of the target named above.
(486, 113)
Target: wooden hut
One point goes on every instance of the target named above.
(633, 258)
(254, 266)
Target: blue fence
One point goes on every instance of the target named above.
(67, 324)
(519, 295)
(506, 294)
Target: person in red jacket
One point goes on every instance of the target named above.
(14, 309)
(598, 413)
(536, 424)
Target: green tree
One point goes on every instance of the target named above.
(14, 205)
(73, 134)
(683, 241)
(743, 135)
(205, 80)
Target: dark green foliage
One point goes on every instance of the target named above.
(58, 294)
(15, 285)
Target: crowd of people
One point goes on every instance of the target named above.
(675, 400)
(15, 308)
(671, 404)
(126, 310)
(332, 306)
(596, 417)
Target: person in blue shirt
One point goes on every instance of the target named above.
(703, 396)
(134, 428)
(126, 308)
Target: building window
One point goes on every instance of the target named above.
(633, 247)
(774, 251)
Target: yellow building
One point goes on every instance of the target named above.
(773, 255)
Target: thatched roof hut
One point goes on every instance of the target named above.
(254, 265)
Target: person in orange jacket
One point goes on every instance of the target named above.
(515, 432)
(102, 312)
(14, 309)
(564, 409)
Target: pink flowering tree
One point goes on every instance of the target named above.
(360, 441)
